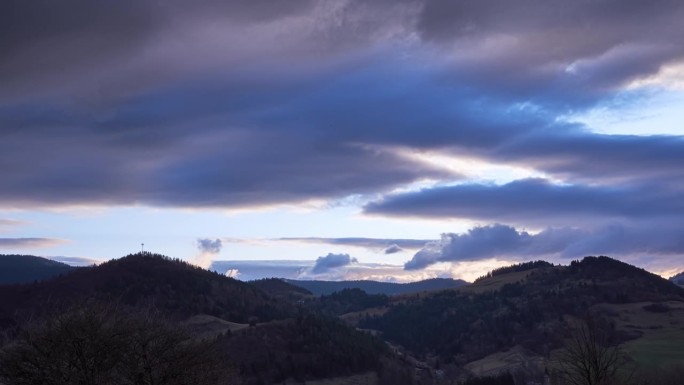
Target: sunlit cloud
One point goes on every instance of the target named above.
(208, 250)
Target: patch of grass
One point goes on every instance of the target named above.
(496, 282)
(657, 348)
(662, 339)
(358, 379)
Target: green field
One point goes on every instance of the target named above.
(658, 348)
(662, 340)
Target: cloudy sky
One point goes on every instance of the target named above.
(397, 139)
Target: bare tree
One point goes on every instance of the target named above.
(591, 355)
(101, 345)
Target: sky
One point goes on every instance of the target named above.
(348, 139)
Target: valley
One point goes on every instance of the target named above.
(511, 325)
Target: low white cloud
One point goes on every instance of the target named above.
(232, 273)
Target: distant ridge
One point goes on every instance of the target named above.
(16, 268)
(375, 287)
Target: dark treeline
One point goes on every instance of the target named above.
(306, 347)
(348, 300)
(100, 344)
(524, 266)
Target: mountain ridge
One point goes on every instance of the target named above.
(318, 287)
(530, 310)
(678, 279)
(173, 286)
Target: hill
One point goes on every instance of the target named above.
(237, 326)
(172, 287)
(27, 268)
(282, 290)
(678, 279)
(375, 287)
(526, 308)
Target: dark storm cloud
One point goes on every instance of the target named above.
(30, 242)
(48, 44)
(393, 249)
(199, 149)
(534, 48)
(230, 103)
(656, 238)
(211, 246)
(598, 158)
(533, 201)
(332, 261)
(575, 50)
(371, 243)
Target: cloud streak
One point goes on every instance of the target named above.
(10, 223)
(534, 202)
(30, 243)
(369, 243)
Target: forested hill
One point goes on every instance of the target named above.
(28, 268)
(197, 321)
(527, 308)
(375, 287)
(173, 287)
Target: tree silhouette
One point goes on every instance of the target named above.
(591, 355)
(100, 345)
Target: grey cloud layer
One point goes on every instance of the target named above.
(211, 246)
(394, 245)
(215, 103)
(232, 104)
(534, 201)
(29, 242)
(646, 240)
